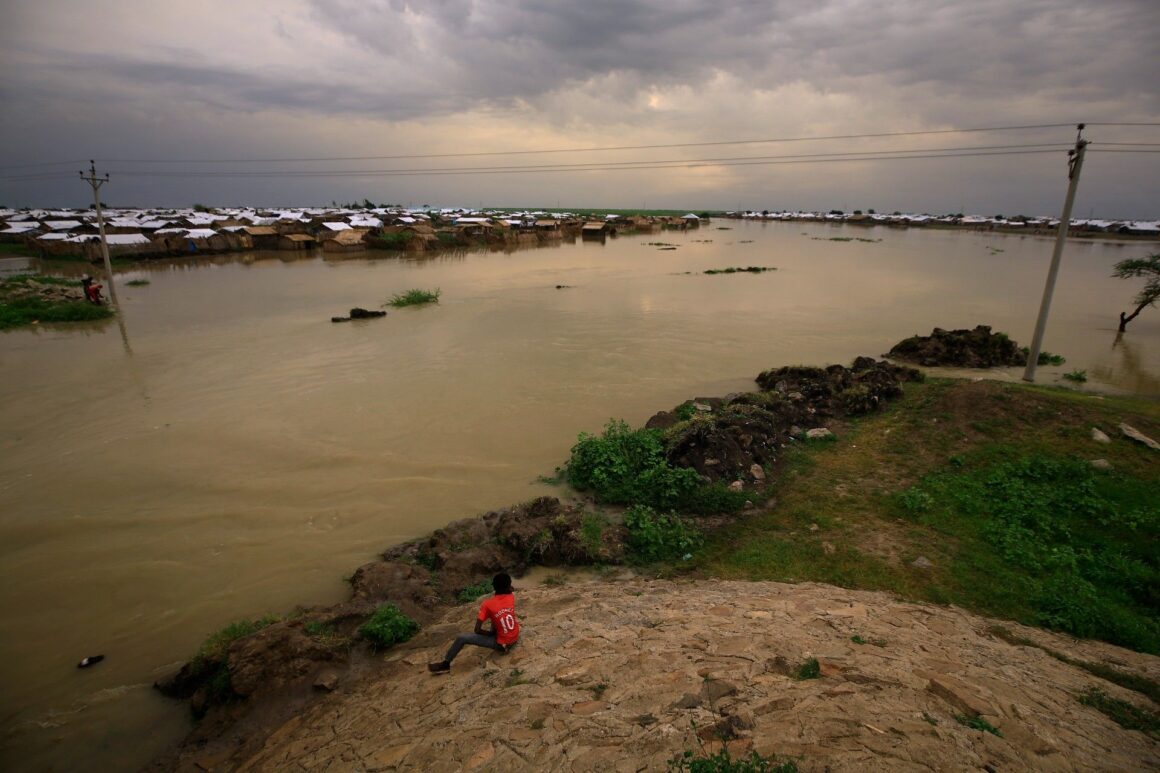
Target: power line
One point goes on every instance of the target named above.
(642, 166)
(875, 135)
(635, 164)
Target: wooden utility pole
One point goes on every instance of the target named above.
(1074, 165)
(96, 183)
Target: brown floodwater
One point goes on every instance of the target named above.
(224, 451)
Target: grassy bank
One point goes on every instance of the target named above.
(21, 304)
(990, 483)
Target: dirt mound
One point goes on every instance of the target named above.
(978, 348)
(628, 675)
(739, 437)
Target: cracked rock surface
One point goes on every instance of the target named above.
(626, 675)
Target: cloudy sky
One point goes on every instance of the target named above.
(269, 102)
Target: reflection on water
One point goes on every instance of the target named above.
(222, 450)
(1126, 369)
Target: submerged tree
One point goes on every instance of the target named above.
(1148, 267)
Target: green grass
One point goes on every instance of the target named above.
(723, 762)
(810, 669)
(387, 626)
(654, 536)
(216, 645)
(1121, 712)
(414, 298)
(1125, 679)
(19, 250)
(991, 483)
(977, 723)
(1078, 376)
(20, 311)
(472, 592)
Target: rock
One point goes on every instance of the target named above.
(922, 562)
(714, 690)
(687, 701)
(702, 408)
(1099, 436)
(406, 585)
(814, 527)
(757, 472)
(1101, 464)
(326, 680)
(358, 313)
(978, 348)
(587, 708)
(91, 660)
(1135, 434)
(340, 319)
(819, 433)
(736, 486)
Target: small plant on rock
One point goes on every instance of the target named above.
(811, 669)
(388, 626)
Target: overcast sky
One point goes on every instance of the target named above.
(133, 83)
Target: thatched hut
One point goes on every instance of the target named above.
(348, 240)
(296, 242)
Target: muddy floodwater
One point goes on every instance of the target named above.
(225, 451)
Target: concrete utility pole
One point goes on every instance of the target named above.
(1074, 165)
(96, 183)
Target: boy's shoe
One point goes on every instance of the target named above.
(442, 667)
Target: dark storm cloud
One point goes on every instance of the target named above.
(221, 79)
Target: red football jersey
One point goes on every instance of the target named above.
(501, 610)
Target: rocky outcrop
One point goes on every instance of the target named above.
(628, 675)
(978, 348)
(726, 439)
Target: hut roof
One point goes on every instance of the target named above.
(336, 226)
(260, 230)
(299, 237)
(348, 237)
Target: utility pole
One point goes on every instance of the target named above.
(1074, 165)
(96, 183)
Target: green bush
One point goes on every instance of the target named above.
(388, 626)
(626, 466)
(414, 298)
(472, 592)
(592, 527)
(654, 536)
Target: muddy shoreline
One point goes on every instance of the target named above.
(261, 678)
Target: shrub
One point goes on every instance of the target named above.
(472, 592)
(1078, 376)
(626, 466)
(654, 536)
(811, 669)
(388, 626)
(414, 298)
(592, 527)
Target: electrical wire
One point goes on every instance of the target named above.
(876, 135)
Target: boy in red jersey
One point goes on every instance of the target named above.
(500, 609)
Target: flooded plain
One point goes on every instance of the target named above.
(224, 451)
